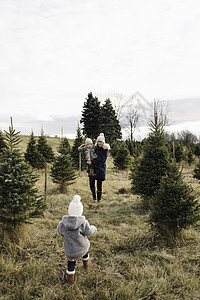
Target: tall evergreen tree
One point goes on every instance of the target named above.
(43, 148)
(149, 169)
(32, 155)
(19, 199)
(109, 123)
(3, 145)
(90, 116)
(174, 206)
(75, 153)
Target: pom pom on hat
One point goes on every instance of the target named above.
(88, 141)
(75, 206)
(101, 138)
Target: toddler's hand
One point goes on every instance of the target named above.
(93, 228)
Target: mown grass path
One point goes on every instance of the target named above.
(127, 261)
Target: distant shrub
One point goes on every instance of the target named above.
(44, 149)
(122, 191)
(196, 172)
(115, 146)
(122, 159)
(32, 154)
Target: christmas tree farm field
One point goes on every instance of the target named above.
(52, 141)
(127, 260)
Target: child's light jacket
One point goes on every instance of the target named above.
(75, 231)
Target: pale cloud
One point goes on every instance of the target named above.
(53, 53)
(184, 111)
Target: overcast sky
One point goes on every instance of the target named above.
(54, 52)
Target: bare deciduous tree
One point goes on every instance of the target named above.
(186, 137)
(131, 118)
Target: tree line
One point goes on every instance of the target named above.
(97, 118)
(153, 164)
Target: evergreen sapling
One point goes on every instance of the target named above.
(44, 149)
(32, 155)
(197, 171)
(123, 158)
(64, 147)
(154, 163)
(19, 199)
(62, 171)
(174, 206)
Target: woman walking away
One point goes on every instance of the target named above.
(75, 229)
(100, 165)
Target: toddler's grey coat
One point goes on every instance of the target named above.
(90, 153)
(75, 231)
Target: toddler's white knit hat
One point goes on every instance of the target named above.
(75, 206)
(101, 138)
(88, 141)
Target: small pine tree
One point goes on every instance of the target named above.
(134, 147)
(197, 150)
(64, 147)
(154, 163)
(115, 146)
(190, 156)
(174, 207)
(137, 150)
(62, 171)
(32, 155)
(19, 200)
(3, 145)
(131, 147)
(123, 158)
(75, 153)
(179, 152)
(44, 149)
(197, 171)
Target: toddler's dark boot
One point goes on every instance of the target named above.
(99, 196)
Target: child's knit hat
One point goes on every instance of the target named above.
(101, 138)
(88, 141)
(75, 206)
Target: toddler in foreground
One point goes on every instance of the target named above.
(75, 229)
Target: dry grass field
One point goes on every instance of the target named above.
(127, 260)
